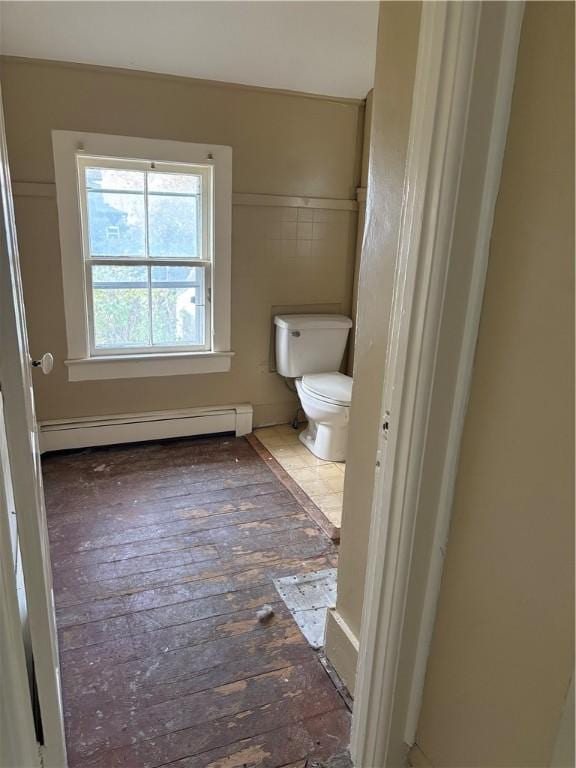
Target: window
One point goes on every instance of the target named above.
(145, 239)
(147, 254)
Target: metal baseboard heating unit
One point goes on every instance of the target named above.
(137, 427)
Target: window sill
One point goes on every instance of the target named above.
(139, 366)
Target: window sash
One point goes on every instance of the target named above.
(130, 349)
(205, 263)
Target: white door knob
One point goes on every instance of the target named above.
(46, 363)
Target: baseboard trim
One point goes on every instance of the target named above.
(341, 648)
(60, 435)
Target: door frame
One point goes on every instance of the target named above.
(462, 96)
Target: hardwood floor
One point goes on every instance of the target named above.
(161, 556)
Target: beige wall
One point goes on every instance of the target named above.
(283, 144)
(392, 98)
(502, 653)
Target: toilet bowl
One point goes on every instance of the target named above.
(325, 399)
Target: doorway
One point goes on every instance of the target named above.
(380, 719)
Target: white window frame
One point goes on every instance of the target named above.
(72, 151)
(83, 162)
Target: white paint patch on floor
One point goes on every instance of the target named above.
(308, 598)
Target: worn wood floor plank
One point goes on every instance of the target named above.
(319, 737)
(195, 711)
(162, 553)
(76, 538)
(239, 575)
(178, 495)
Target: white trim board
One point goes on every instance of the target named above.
(341, 647)
(137, 366)
(461, 102)
(138, 427)
(294, 201)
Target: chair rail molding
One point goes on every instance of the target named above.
(461, 103)
(48, 189)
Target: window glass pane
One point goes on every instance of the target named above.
(117, 179)
(121, 307)
(182, 183)
(178, 306)
(172, 226)
(116, 223)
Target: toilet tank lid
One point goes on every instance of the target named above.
(304, 322)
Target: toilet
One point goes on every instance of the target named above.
(309, 350)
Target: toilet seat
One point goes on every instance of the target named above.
(335, 388)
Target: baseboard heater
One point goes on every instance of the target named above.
(136, 427)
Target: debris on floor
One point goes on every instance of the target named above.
(264, 614)
(338, 761)
(308, 598)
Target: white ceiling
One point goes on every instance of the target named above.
(319, 47)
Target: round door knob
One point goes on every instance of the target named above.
(46, 363)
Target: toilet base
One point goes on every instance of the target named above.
(325, 442)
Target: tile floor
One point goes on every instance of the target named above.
(322, 481)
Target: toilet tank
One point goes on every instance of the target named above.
(310, 343)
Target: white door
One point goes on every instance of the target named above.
(24, 458)
(18, 741)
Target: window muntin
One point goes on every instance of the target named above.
(147, 243)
